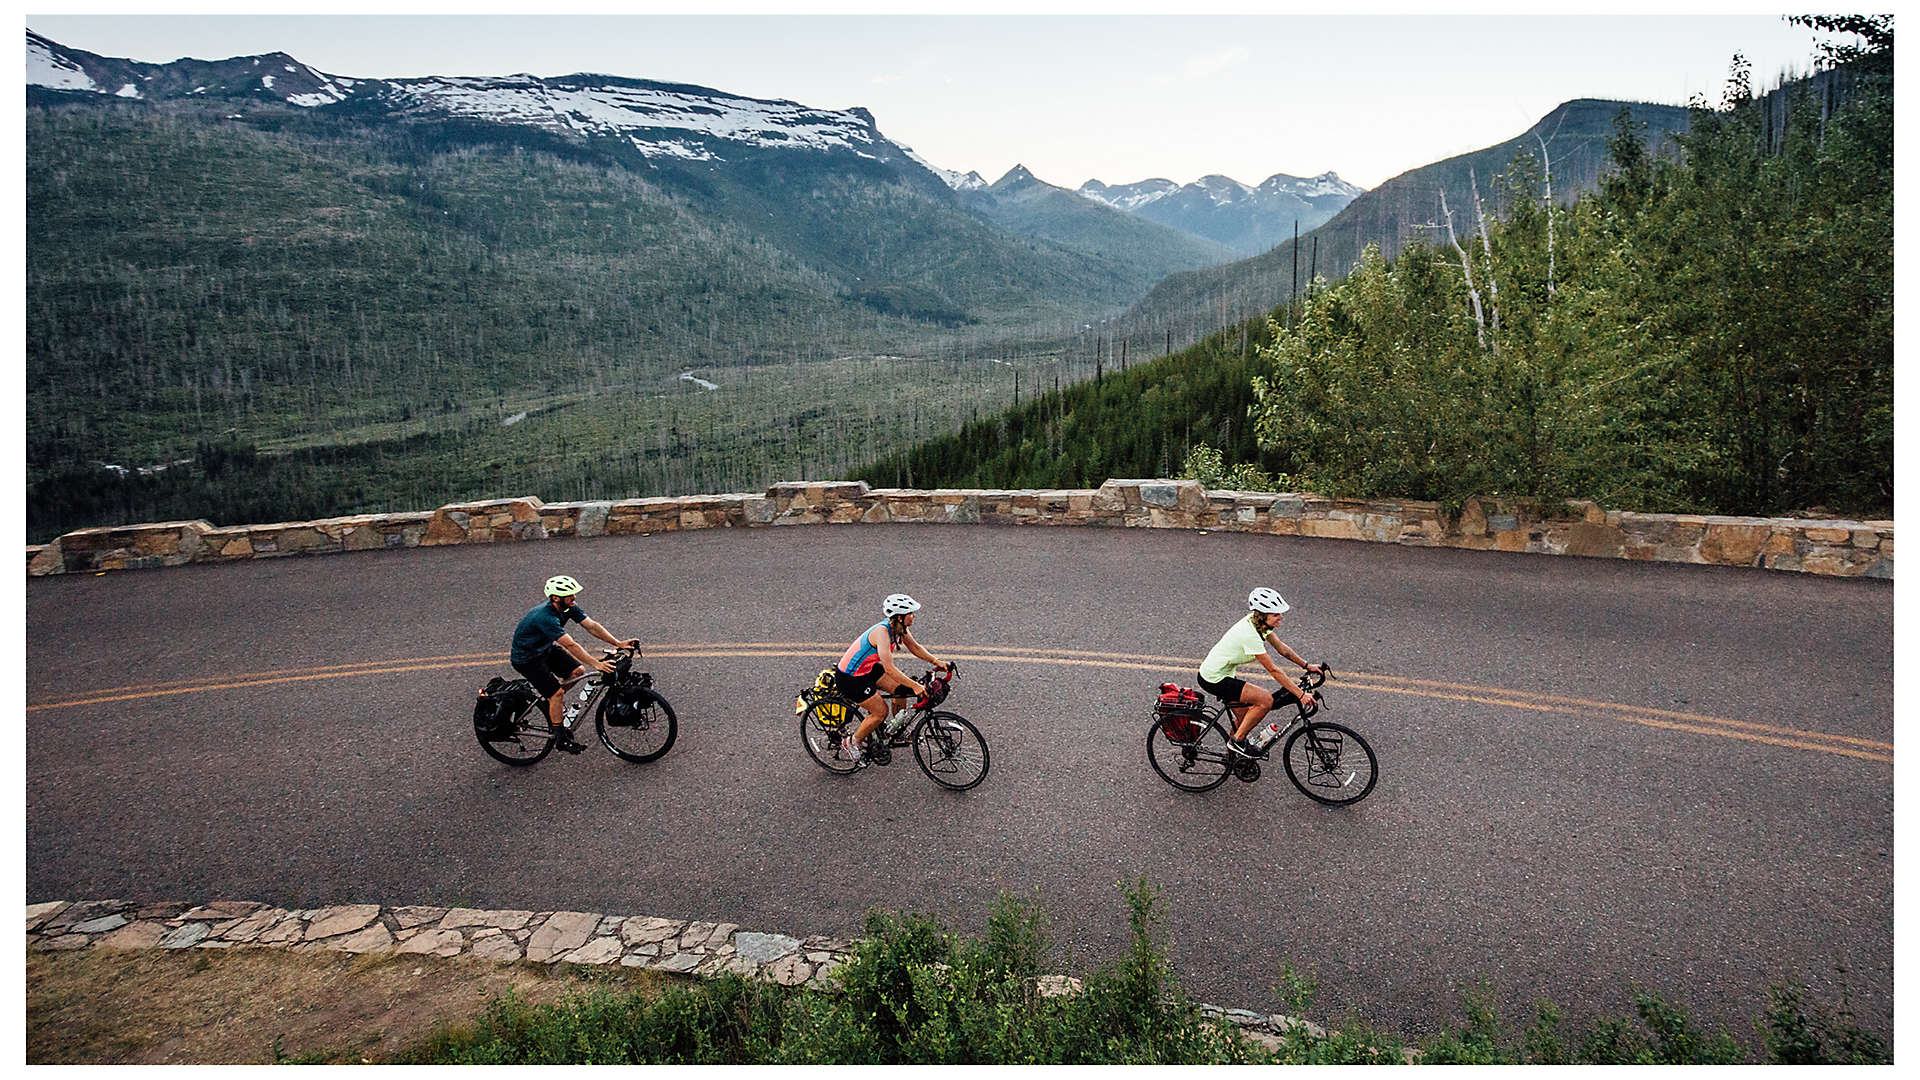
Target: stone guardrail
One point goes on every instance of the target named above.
(1834, 547)
(678, 947)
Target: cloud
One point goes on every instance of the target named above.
(1207, 66)
(883, 80)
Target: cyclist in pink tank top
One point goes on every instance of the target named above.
(867, 668)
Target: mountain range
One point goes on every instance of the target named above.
(1248, 219)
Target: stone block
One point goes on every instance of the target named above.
(462, 916)
(134, 935)
(500, 947)
(604, 950)
(1827, 535)
(643, 930)
(434, 942)
(563, 932)
(185, 936)
(39, 915)
(790, 970)
(1330, 528)
(447, 527)
(676, 963)
(760, 949)
(251, 927)
(1729, 544)
(374, 938)
(101, 925)
(411, 916)
(46, 559)
(1473, 519)
(342, 919)
(1596, 540)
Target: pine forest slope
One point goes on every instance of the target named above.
(1402, 210)
(1653, 355)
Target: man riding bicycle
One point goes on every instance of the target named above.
(546, 655)
(1247, 640)
(867, 668)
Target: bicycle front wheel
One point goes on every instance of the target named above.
(1191, 756)
(640, 728)
(525, 741)
(826, 730)
(950, 751)
(1330, 764)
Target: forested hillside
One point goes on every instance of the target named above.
(1712, 333)
(208, 292)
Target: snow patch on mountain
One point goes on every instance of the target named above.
(55, 72)
(656, 118)
(1128, 197)
(968, 181)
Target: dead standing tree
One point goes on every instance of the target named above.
(1466, 267)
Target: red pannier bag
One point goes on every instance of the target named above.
(1179, 710)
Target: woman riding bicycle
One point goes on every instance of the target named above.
(1247, 640)
(546, 654)
(867, 669)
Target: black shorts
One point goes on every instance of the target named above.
(858, 687)
(548, 670)
(1227, 689)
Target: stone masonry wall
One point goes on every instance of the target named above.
(1836, 548)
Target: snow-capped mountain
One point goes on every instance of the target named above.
(1220, 208)
(658, 120)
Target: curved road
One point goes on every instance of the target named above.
(1595, 774)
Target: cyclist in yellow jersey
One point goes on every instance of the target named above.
(1247, 640)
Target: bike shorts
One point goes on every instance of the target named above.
(1227, 689)
(548, 670)
(858, 687)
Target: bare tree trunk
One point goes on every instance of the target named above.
(1466, 267)
(1486, 242)
(1546, 163)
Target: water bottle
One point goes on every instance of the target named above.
(893, 725)
(573, 713)
(1264, 735)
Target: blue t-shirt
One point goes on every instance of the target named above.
(539, 629)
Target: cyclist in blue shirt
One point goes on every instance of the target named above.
(545, 654)
(867, 673)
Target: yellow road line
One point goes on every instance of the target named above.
(1888, 758)
(1500, 697)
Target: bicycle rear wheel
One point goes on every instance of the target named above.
(639, 727)
(950, 751)
(523, 742)
(826, 730)
(1330, 764)
(1195, 761)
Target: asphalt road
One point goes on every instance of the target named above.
(1595, 775)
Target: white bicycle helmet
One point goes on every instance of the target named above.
(900, 604)
(1265, 599)
(562, 585)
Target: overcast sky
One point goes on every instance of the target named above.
(1119, 98)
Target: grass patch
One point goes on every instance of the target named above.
(913, 993)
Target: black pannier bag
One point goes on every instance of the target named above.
(627, 701)
(500, 703)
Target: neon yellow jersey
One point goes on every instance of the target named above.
(1238, 645)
